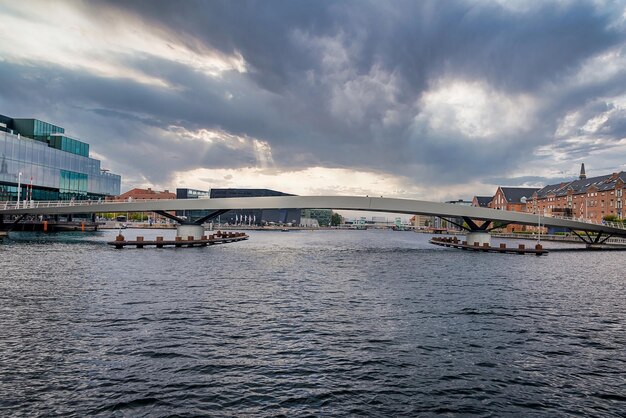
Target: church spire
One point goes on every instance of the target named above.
(582, 172)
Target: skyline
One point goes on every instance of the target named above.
(425, 100)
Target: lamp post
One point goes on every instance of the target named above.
(19, 188)
(539, 226)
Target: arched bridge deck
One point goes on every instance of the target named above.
(373, 204)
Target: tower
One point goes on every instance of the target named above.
(582, 172)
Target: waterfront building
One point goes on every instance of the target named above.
(39, 161)
(507, 198)
(592, 198)
(481, 201)
(421, 221)
(513, 199)
(247, 217)
(143, 194)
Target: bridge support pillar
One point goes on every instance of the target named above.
(481, 237)
(187, 230)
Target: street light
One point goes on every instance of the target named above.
(19, 188)
(539, 226)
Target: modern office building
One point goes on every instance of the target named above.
(248, 216)
(46, 164)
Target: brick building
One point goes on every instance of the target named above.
(589, 198)
(481, 201)
(138, 194)
(512, 198)
(142, 194)
(507, 198)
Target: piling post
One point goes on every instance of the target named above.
(119, 242)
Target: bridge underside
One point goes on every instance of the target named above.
(480, 233)
(471, 226)
(212, 215)
(591, 241)
(194, 228)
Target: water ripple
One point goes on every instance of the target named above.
(368, 323)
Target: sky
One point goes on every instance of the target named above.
(433, 100)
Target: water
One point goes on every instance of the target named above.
(328, 323)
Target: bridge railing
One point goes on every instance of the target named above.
(611, 224)
(37, 204)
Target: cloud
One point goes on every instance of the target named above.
(443, 97)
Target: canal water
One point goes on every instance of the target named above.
(325, 323)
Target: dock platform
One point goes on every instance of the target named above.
(217, 238)
(502, 248)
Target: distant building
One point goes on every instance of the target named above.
(309, 222)
(247, 216)
(142, 194)
(590, 198)
(421, 221)
(512, 198)
(322, 217)
(460, 202)
(47, 164)
(192, 194)
(481, 201)
(507, 198)
(457, 221)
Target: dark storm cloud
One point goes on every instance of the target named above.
(418, 42)
(336, 84)
(136, 135)
(420, 39)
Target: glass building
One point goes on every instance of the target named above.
(33, 152)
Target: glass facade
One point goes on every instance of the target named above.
(67, 144)
(36, 129)
(55, 173)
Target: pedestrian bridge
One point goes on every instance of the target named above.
(591, 233)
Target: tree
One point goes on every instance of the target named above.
(335, 219)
